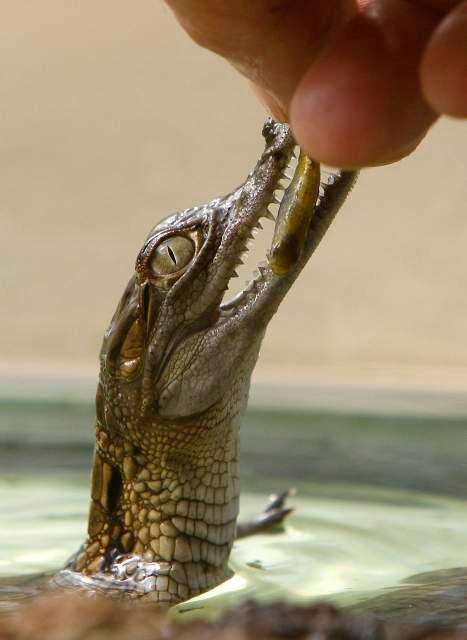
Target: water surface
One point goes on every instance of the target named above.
(380, 515)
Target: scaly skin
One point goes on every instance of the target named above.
(174, 380)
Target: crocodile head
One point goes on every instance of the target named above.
(173, 347)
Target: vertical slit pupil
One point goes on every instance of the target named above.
(172, 255)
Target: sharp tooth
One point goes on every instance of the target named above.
(275, 200)
(239, 261)
(259, 225)
(269, 215)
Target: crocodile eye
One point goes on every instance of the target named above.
(171, 255)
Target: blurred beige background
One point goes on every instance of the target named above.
(111, 118)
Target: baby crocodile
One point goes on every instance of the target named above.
(175, 373)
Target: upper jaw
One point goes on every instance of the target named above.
(240, 213)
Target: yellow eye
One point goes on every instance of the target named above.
(171, 255)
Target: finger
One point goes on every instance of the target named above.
(360, 103)
(442, 6)
(443, 70)
(271, 42)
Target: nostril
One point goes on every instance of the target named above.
(268, 129)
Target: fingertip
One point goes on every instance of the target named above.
(360, 103)
(443, 71)
(363, 140)
(331, 128)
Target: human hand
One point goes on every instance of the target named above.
(360, 81)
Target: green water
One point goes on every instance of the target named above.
(380, 515)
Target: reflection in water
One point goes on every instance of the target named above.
(369, 531)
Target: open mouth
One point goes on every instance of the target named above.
(281, 230)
